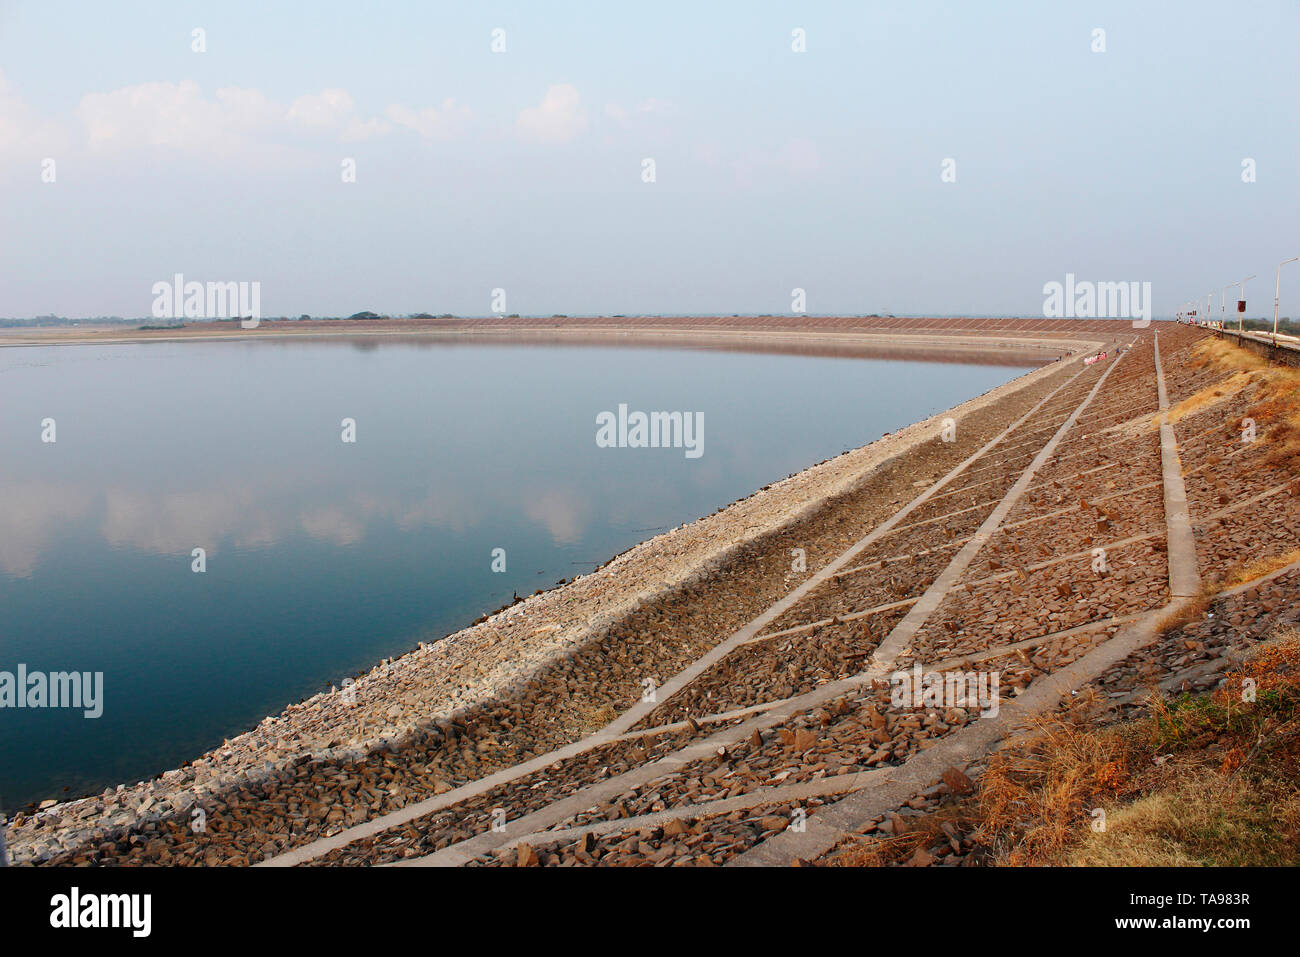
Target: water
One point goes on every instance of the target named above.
(324, 556)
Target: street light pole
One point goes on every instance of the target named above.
(1242, 284)
(1277, 291)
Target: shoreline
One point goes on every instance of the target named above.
(980, 334)
(435, 682)
(1013, 347)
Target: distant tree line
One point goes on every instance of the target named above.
(1287, 325)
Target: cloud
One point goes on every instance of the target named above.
(31, 515)
(431, 122)
(14, 115)
(248, 516)
(175, 116)
(22, 131)
(559, 117)
(334, 525)
(561, 512)
(332, 112)
(176, 522)
(648, 109)
(241, 121)
(179, 116)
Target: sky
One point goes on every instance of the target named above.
(524, 169)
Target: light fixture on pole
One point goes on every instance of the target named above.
(1277, 291)
(1241, 303)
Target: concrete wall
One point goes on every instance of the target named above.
(1282, 353)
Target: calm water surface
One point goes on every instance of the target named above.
(324, 556)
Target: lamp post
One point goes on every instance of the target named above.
(1241, 308)
(1277, 291)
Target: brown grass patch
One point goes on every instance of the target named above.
(1193, 610)
(1275, 398)
(1210, 396)
(597, 718)
(1258, 568)
(1208, 780)
(1227, 355)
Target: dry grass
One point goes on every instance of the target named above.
(597, 718)
(1223, 354)
(1199, 780)
(1277, 387)
(921, 832)
(1274, 393)
(1228, 791)
(1258, 568)
(1035, 797)
(1209, 396)
(1209, 779)
(1192, 610)
(1205, 820)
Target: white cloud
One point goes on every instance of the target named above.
(31, 515)
(334, 525)
(557, 119)
(432, 122)
(14, 115)
(176, 116)
(179, 116)
(562, 513)
(656, 106)
(333, 112)
(22, 131)
(174, 523)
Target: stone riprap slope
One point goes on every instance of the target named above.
(817, 743)
(1241, 492)
(1032, 576)
(936, 541)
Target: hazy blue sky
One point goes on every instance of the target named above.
(523, 169)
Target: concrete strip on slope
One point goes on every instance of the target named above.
(1184, 573)
(832, 825)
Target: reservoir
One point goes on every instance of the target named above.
(353, 496)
